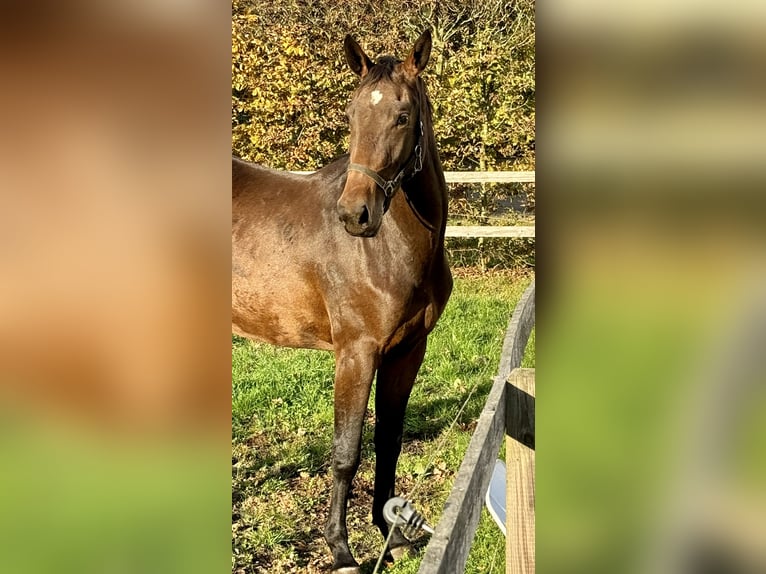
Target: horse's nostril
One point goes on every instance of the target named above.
(364, 217)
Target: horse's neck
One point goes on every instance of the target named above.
(427, 191)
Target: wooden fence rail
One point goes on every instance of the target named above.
(490, 231)
(489, 176)
(448, 549)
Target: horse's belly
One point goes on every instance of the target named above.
(300, 340)
(288, 317)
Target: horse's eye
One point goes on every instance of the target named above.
(402, 120)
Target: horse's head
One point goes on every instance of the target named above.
(386, 133)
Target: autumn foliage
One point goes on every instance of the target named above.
(290, 83)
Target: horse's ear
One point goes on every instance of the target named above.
(418, 58)
(357, 60)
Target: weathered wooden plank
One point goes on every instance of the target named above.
(520, 473)
(448, 549)
(478, 176)
(517, 334)
(490, 231)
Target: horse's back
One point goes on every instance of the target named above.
(250, 178)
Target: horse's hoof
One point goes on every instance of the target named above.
(402, 551)
(348, 570)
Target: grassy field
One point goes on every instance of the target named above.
(282, 431)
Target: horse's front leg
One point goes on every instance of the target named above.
(355, 366)
(396, 376)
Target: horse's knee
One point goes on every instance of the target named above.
(345, 461)
(345, 469)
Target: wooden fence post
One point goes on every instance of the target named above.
(520, 473)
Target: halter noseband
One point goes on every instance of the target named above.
(389, 187)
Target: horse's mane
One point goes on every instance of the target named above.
(383, 69)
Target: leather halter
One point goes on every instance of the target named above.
(389, 187)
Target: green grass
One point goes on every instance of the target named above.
(282, 432)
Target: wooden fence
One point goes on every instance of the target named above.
(490, 177)
(509, 409)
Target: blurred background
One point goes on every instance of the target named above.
(114, 219)
(651, 154)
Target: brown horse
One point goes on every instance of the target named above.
(371, 292)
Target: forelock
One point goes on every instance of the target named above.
(384, 69)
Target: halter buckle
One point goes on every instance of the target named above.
(390, 187)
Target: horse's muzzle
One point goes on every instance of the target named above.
(357, 220)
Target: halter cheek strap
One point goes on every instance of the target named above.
(389, 187)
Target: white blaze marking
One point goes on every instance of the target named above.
(375, 97)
